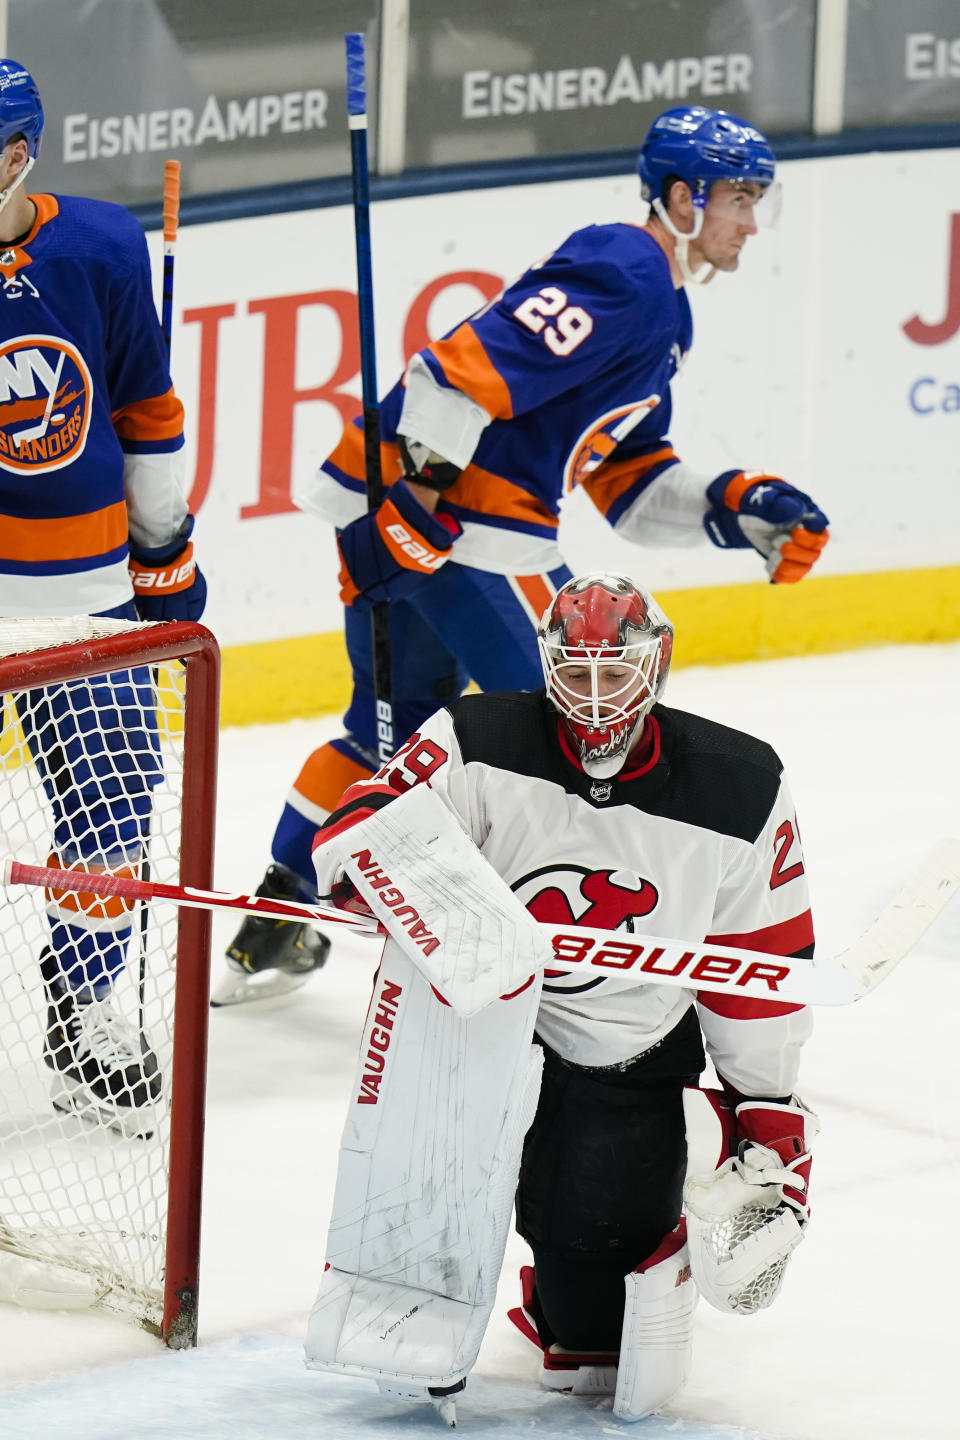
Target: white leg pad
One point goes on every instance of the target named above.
(656, 1347)
(427, 1175)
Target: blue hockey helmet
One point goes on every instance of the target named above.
(20, 109)
(700, 146)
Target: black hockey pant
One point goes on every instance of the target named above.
(601, 1182)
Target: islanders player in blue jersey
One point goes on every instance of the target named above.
(562, 381)
(93, 521)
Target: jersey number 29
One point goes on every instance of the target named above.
(412, 764)
(571, 326)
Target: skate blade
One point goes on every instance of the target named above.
(71, 1097)
(414, 1394)
(446, 1408)
(239, 988)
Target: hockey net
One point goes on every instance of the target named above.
(90, 1214)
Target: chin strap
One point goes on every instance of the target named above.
(5, 194)
(706, 272)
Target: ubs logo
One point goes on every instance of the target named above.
(46, 396)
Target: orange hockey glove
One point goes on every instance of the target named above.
(387, 554)
(782, 524)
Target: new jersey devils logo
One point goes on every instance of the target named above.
(45, 400)
(598, 899)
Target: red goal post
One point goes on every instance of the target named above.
(83, 1212)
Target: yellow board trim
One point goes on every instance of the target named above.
(717, 625)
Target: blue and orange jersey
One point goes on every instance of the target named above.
(91, 433)
(573, 362)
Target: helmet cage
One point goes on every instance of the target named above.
(602, 713)
(603, 708)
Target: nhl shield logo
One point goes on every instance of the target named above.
(46, 397)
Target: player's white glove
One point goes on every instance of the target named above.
(748, 1214)
(782, 524)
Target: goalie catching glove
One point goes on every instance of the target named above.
(782, 524)
(748, 1214)
(388, 553)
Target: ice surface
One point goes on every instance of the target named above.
(258, 1387)
(859, 1345)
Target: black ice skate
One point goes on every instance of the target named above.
(104, 1070)
(271, 957)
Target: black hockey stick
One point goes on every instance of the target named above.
(380, 615)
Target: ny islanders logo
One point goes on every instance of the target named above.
(601, 438)
(599, 899)
(46, 397)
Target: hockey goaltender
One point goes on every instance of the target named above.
(586, 803)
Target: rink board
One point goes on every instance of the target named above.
(720, 625)
(817, 362)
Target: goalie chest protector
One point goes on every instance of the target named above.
(697, 842)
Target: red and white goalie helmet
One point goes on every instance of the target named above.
(605, 646)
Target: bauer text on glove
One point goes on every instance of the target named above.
(167, 582)
(389, 553)
(781, 523)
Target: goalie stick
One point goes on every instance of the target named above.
(691, 965)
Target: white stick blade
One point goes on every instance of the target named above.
(903, 923)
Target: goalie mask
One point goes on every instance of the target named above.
(605, 646)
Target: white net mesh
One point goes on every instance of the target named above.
(724, 1241)
(90, 777)
(18, 636)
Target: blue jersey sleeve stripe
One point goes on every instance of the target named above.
(63, 567)
(349, 482)
(623, 502)
(501, 522)
(152, 447)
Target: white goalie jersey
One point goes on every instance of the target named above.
(699, 842)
